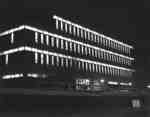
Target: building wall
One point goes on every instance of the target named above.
(53, 55)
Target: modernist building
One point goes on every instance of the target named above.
(74, 57)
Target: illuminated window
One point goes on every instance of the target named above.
(136, 103)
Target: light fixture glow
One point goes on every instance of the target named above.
(11, 76)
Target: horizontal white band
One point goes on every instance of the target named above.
(30, 49)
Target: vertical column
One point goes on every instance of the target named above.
(78, 32)
(42, 60)
(12, 38)
(57, 42)
(62, 62)
(70, 28)
(57, 60)
(57, 24)
(36, 58)
(82, 49)
(47, 59)
(83, 65)
(61, 25)
(52, 60)
(74, 30)
(93, 67)
(81, 33)
(70, 46)
(6, 59)
(71, 62)
(125, 49)
(90, 67)
(47, 40)
(88, 35)
(66, 62)
(42, 38)
(78, 48)
(36, 37)
(85, 34)
(92, 37)
(52, 41)
(66, 44)
(74, 47)
(66, 27)
(96, 68)
(86, 50)
(79, 64)
(62, 44)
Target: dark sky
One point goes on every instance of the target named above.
(127, 21)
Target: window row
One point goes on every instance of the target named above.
(87, 34)
(83, 49)
(81, 65)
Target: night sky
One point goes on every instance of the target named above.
(124, 20)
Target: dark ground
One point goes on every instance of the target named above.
(71, 106)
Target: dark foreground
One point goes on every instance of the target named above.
(70, 106)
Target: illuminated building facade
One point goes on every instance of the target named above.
(74, 57)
